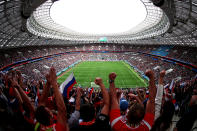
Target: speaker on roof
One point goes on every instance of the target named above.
(158, 2)
(54, 0)
(168, 7)
(29, 6)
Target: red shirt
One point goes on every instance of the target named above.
(54, 127)
(118, 124)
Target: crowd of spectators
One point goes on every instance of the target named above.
(39, 105)
(9, 56)
(30, 98)
(37, 69)
(143, 62)
(186, 54)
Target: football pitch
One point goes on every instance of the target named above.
(86, 72)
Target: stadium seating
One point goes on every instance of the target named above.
(56, 78)
(180, 87)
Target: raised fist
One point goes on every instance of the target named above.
(14, 83)
(52, 74)
(162, 73)
(132, 96)
(149, 73)
(51, 77)
(98, 81)
(48, 78)
(112, 76)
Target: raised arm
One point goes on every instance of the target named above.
(161, 77)
(25, 98)
(74, 118)
(78, 99)
(45, 93)
(150, 107)
(159, 95)
(16, 93)
(132, 96)
(113, 97)
(20, 79)
(105, 109)
(141, 94)
(62, 113)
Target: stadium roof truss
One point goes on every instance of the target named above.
(40, 23)
(173, 23)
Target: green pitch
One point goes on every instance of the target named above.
(86, 72)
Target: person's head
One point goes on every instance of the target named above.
(43, 115)
(193, 100)
(87, 112)
(123, 105)
(142, 92)
(195, 91)
(136, 114)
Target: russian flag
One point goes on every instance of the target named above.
(67, 85)
(90, 91)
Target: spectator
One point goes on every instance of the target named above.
(29, 104)
(137, 119)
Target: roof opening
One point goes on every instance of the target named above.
(98, 16)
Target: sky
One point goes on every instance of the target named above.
(98, 16)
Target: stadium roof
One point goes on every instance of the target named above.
(155, 23)
(98, 17)
(170, 22)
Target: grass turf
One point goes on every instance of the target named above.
(86, 72)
